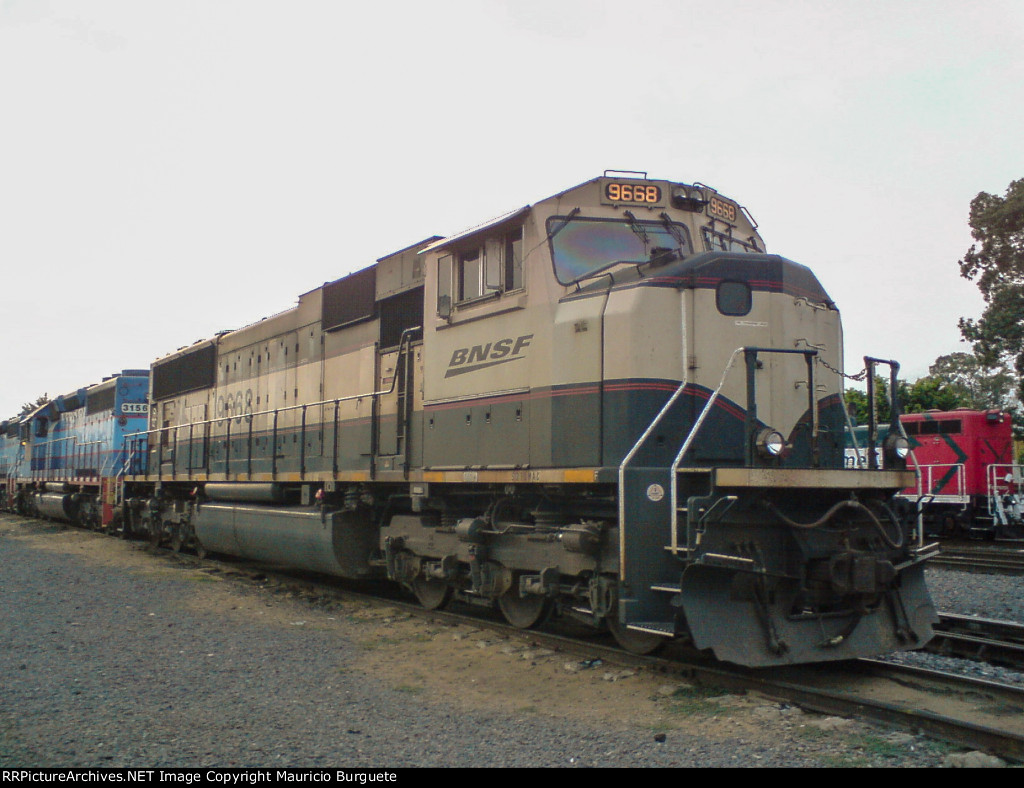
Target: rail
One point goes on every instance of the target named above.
(80, 454)
(674, 495)
(750, 424)
(1005, 487)
(643, 439)
(894, 412)
(939, 489)
(750, 428)
(140, 443)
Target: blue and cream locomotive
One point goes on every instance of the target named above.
(66, 457)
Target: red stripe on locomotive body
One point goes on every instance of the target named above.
(551, 393)
(764, 285)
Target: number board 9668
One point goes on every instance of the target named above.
(632, 193)
(721, 209)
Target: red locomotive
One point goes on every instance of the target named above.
(968, 484)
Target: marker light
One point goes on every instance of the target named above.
(897, 446)
(770, 443)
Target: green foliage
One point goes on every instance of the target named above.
(957, 380)
(927, 393)
(996, 263)
(997, 224)
(689, 701)
(931, 393)
(857, 403)
(980, 381)
(28, 407)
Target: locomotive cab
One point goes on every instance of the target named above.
(702, 375)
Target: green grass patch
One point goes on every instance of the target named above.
(410, 689)
(371, 644)
(877, 746)
(694, 701)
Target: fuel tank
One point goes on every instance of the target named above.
(56, 506)
(334, 543)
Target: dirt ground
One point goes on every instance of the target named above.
(471, 668)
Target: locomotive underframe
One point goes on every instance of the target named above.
(832, 586)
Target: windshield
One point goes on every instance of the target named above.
(583, 247)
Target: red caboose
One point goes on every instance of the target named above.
(968, 484)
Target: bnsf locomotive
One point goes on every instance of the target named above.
(612, 403)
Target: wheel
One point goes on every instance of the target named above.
(156, 534)
(177, 538)
(524, 612)
(632, 641)
(432, 594)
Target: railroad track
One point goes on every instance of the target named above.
(981, 639)
(989, 560)
(968, 712)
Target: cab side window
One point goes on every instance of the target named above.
(480, 269)
(734, 298)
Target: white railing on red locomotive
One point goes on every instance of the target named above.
(1005, 488)
(930, 482)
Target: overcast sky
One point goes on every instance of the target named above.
(171, 169)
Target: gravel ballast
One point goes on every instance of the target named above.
(112, 657)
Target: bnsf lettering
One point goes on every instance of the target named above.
(502, 348)
(478, 353)
(467, 359)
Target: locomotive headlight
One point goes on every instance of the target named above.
(770, 443)
(897, 446)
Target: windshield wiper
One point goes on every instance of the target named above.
(675, 232)
(565, 223)
(637, 228)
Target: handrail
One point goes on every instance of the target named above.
(405, 341)
(622, 473)
(926, 479)
(1012, 481)
(894, 411)
(43, 474)
(674, 497)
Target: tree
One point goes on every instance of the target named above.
(28, 407)
(978, 382)
(931, 393)
(956, 380)
(996, 263)
(857, 401)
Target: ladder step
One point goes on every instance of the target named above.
(665, 628)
